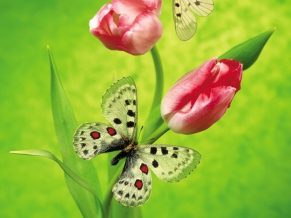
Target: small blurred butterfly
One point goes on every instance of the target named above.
(184, 19)
(169, 163)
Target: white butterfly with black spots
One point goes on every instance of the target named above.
(169, 163)
(184, 19)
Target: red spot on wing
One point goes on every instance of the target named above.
(111, 131)
(95, 135)
(138, 184)
(144, 168)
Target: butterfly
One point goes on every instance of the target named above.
(184, 19)
(169, 163)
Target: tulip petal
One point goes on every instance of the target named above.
(129, 8)
(128, 25)
(143, 34)
(202, 96)
(228, 72)
(187, 87)
(208, 109)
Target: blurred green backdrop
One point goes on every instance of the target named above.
(245, 168)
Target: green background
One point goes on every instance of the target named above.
(245, 167)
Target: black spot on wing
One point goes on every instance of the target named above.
(153, 150)
(155, 163)
(131, 113)
(127, 102)
(164, 150)
(174, 155)
(117, 121)
(120, 192)
(130, 124)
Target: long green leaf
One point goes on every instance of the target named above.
(248, 51)
(67, 170)
(65, 126)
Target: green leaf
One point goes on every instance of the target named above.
(65, 126)
(67, 170)
(248, 52)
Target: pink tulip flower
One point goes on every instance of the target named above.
(201, 97)
(128, 25)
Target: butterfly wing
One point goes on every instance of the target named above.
(200, 7)
(184, 19)
(91, 139)
(119, 107)
(169, 163)
(135, 183)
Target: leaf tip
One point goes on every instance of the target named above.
(14, 152)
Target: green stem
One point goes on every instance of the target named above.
(159, 78)
(163, 128)
(108, 193)
(158, 94)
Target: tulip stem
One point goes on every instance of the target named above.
(163, 128)
(154, 114)
(159, 78)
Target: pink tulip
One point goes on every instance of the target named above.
(128, 25)
(201, 97)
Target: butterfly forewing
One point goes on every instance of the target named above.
(119, 107)
(184, 19)
(169, 163)
(202, 7)
(135, 183)
(91, 139)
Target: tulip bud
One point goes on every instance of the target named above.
(131, 26)
(201, 97)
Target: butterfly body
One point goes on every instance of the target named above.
(184, 19)
(169, 163)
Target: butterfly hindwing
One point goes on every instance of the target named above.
(135, 183)
(91, 139)
(169, 163)
(184, 19)
(119, 107)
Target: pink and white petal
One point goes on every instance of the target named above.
(131, 8)
(154, 5)
(208, 109)
(143, 34)
(187, 88)
(110, 42)
(228, 72)
(94, 23)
